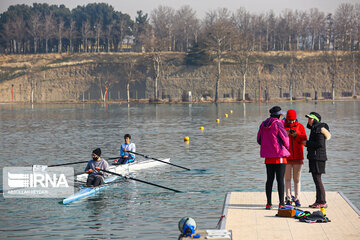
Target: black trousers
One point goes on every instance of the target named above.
(95, 180)
(271, 171)
(320, 190)
(126, 160)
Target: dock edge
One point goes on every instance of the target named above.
(349, 202)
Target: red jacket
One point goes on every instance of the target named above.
(296, 148)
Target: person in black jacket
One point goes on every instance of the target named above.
(316, 146)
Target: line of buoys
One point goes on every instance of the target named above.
(187, 139)
(225, 115)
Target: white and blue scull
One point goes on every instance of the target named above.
(123, 169)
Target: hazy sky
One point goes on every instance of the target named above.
(200, 6)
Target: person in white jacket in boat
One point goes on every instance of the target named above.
(125, 156)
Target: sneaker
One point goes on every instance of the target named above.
(281, 205)
(268, 206)
(297, 203)
(293, 198)
(315, 205)
(324, 205)
(288, 201)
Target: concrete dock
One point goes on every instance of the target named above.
(245, 217)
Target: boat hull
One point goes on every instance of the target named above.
(88, 191)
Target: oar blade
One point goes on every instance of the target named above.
(139, 180)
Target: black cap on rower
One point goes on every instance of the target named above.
(97, 152)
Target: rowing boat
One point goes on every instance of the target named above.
(123, 169)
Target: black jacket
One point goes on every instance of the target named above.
(316, 145)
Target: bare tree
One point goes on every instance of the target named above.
(162, 21)
(6, 34)
(291, 28)
(332, 69)
(98, 34)
(282, 32)
(61, 30)
(260, 69)
(129, 70)
(86, 33)
(317, 21)
(108, 35)
(291, 74)
(146, 39)
(119, 34)
(356, 63)
(270, 31)
(157, 62)
(49, 27)
(72, 33)
(329, 29)
(35, 27)
(241, 20)
(344, 21)
(218, 29)
(257, 28)
(242, 59)
(303, 26)
(186, 25)
(357, 26)
(18, 32)
(298, 18)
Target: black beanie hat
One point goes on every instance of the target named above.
(97, 152)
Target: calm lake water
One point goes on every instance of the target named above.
(223, 158)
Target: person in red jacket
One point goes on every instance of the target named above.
(297, 135)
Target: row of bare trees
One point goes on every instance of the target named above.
(43, 28)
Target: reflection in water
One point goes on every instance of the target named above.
(244, 106)
(128, 111)
(222, 158)
(96, 205)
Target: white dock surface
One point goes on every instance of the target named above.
(247, 218)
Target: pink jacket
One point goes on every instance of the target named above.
(273, 139)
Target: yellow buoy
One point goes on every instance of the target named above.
(217, 120)
(201, 128)
(231, 111)
(186, 139)
(226, 115)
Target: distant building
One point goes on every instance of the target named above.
(127, 43)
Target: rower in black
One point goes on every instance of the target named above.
(96, 177)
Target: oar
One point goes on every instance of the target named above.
(139, 180)
(145, 156)
(63, 164)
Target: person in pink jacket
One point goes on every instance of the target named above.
(274, 145)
